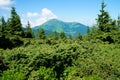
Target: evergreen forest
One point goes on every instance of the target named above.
(93, 56)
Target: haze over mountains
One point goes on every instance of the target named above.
(70, 28)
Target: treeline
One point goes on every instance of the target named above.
(12, 33)
(106, 29)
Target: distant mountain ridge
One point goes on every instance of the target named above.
(70, 28)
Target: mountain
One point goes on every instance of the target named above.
(72, 28)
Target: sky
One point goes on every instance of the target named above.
(38, 12)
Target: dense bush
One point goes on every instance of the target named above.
(79, 61)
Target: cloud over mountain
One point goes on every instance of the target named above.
(43, 17)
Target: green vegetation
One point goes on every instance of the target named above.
(94, 56)
(28, 32)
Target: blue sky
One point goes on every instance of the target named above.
(40, 11)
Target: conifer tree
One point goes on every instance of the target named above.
(62, 35)
(41, 34)
(55, 35)
(14, 24)
(4, 41)
(28, 32)
(118, 22)
(88, 30)
(79, 36)
(106, 26)
(114, 26)
(70, 36)
(2, 26)
(104, 20)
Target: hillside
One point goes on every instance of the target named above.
(70, 28)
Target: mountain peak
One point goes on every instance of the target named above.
(70, 28)
(54, 20)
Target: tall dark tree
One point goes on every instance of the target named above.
(114, 26)
(88, 30)
(118, 22)
(2, 26)
(104, 19)
(41, 34)
(28, 32)
(62, 35)
(14, 24)
(79, 36)
(55, 35)
(107, 27)
(4, 41)
(70, 36)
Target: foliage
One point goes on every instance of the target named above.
(28, 32)
(79, 36)
(41, 34)
(2, 26)
(55, 36)
(62, 35)
(42, 74)
(71, 61)
(12, 75)
(103, 20)
(14, 24)
(11, 31)
(118, 22)
(94, 56)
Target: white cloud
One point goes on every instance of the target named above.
(44, 16)
(47, 14)
(29, 14)
(36, 19)
(24, 22)
(4, 4)
(88, 22)
(5, 8)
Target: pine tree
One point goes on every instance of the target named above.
(62, 35)
(41, 34)
(70, 37)
(28, 32)
(118, 22)
(14, 24)
(2, 26)
(88, 30)
(79, 36)
(4, 41)
(114, 26)
(107, 28)
(55, 35)
(104, 20)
